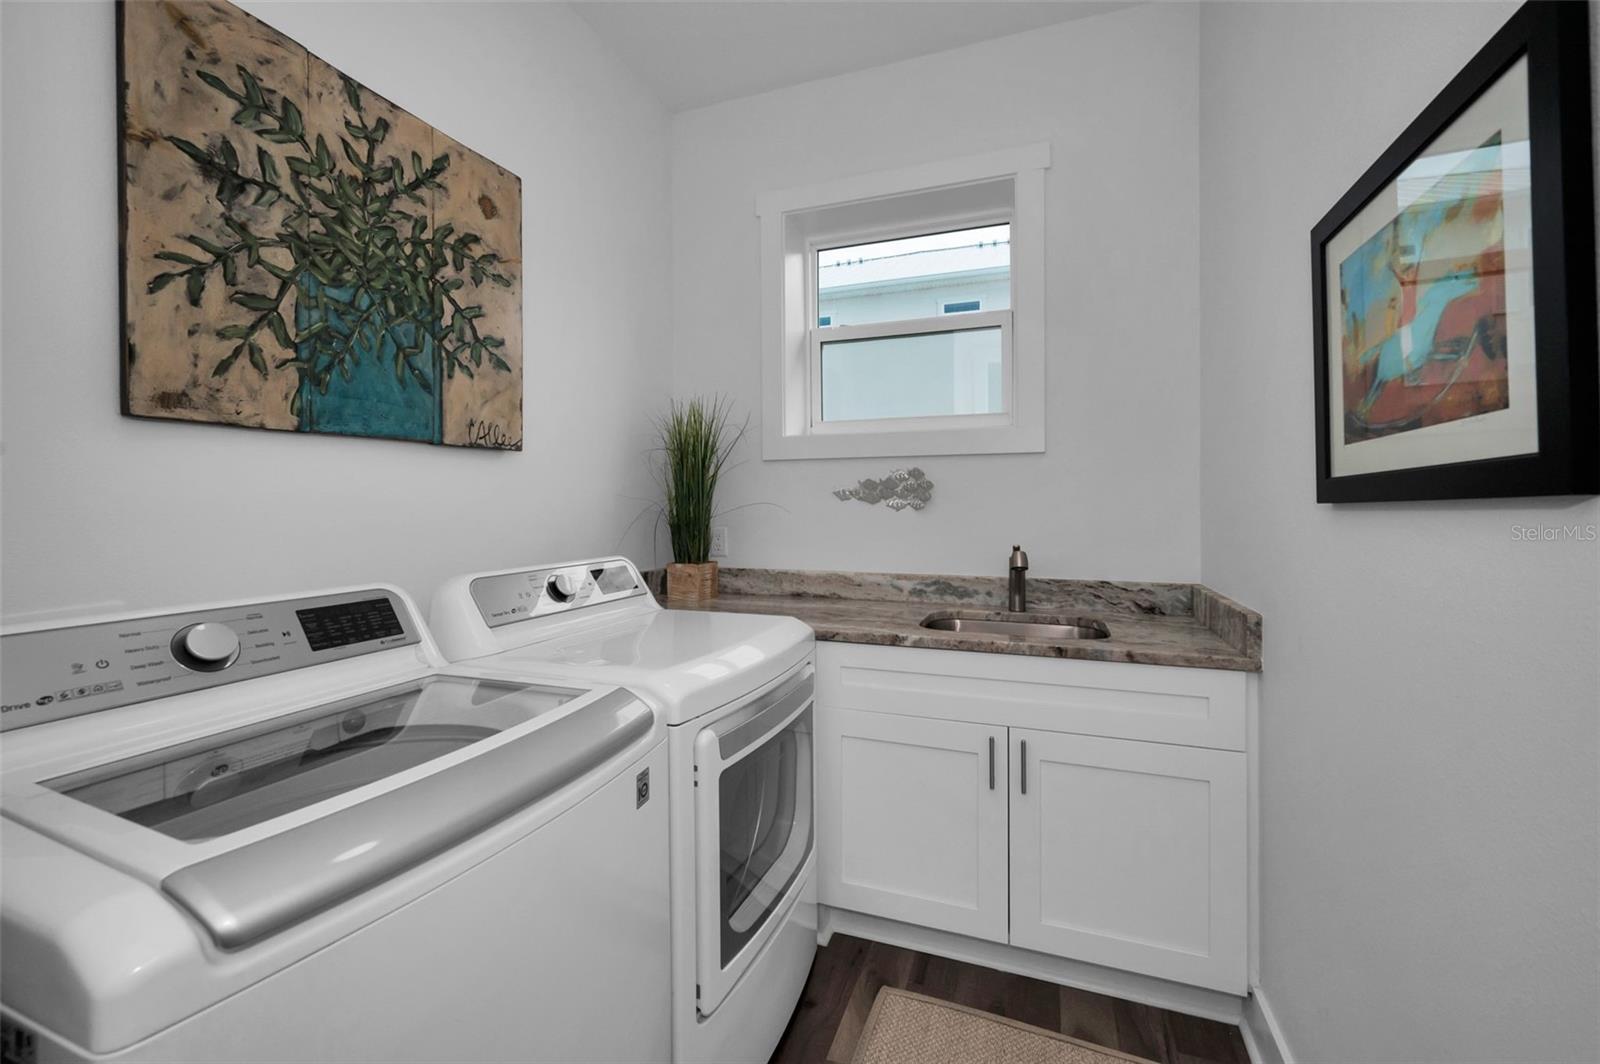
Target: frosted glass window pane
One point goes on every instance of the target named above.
(928, 375)
(914, 277)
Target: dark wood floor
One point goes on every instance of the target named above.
(848, 973)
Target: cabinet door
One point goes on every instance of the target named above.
(1131, 855)
(912, 820)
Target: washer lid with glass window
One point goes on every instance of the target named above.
(256, 828)
(225, 783)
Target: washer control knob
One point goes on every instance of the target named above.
(208, 647)
(562, 587)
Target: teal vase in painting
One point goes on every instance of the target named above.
(374, 390)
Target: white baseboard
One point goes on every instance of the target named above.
(1263, 1038)
(1147, 990)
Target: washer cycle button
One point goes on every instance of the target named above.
(208, 647)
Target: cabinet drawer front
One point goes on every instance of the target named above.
(912, 820)
(1156, 703)
(1130, 855)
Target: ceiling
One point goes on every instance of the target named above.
(695, 52)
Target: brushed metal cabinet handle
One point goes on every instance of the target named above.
(991, 762)
(1024, 759)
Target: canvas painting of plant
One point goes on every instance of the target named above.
(301, 254)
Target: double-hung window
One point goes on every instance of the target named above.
(904, 312)
(889, 350)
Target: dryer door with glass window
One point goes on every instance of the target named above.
(753, 827)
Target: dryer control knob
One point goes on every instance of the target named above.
(208, 647)
(562, 587)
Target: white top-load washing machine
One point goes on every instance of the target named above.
(736, 692)
(284, 830)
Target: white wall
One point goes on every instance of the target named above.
(1430, 696)
(1117, 492)
(102, 509)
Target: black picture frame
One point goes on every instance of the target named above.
(1555, 38)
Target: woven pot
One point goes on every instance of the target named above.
(691, 583)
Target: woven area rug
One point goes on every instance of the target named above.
(907, 1028)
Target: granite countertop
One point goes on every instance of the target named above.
(1150, 623)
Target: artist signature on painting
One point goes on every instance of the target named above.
(491, 434)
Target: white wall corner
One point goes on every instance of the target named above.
(1263, 1038)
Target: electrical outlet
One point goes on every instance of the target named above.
(719, 541)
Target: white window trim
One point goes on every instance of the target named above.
(790, 349)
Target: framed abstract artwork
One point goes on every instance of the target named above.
(1453, 288)
(300, 254)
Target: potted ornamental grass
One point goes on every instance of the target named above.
(697, 437)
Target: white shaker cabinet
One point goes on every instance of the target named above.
(1110, 828)
(1130, 855)
(915, 813)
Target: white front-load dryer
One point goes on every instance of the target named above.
(736, 693)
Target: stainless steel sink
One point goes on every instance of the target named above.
(1024, 628)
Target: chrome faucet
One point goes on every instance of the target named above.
(1017, 591)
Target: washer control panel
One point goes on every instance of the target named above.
(53, 673)
(511, 597)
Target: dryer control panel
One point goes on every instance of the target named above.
(506, 598)
(51, 673)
